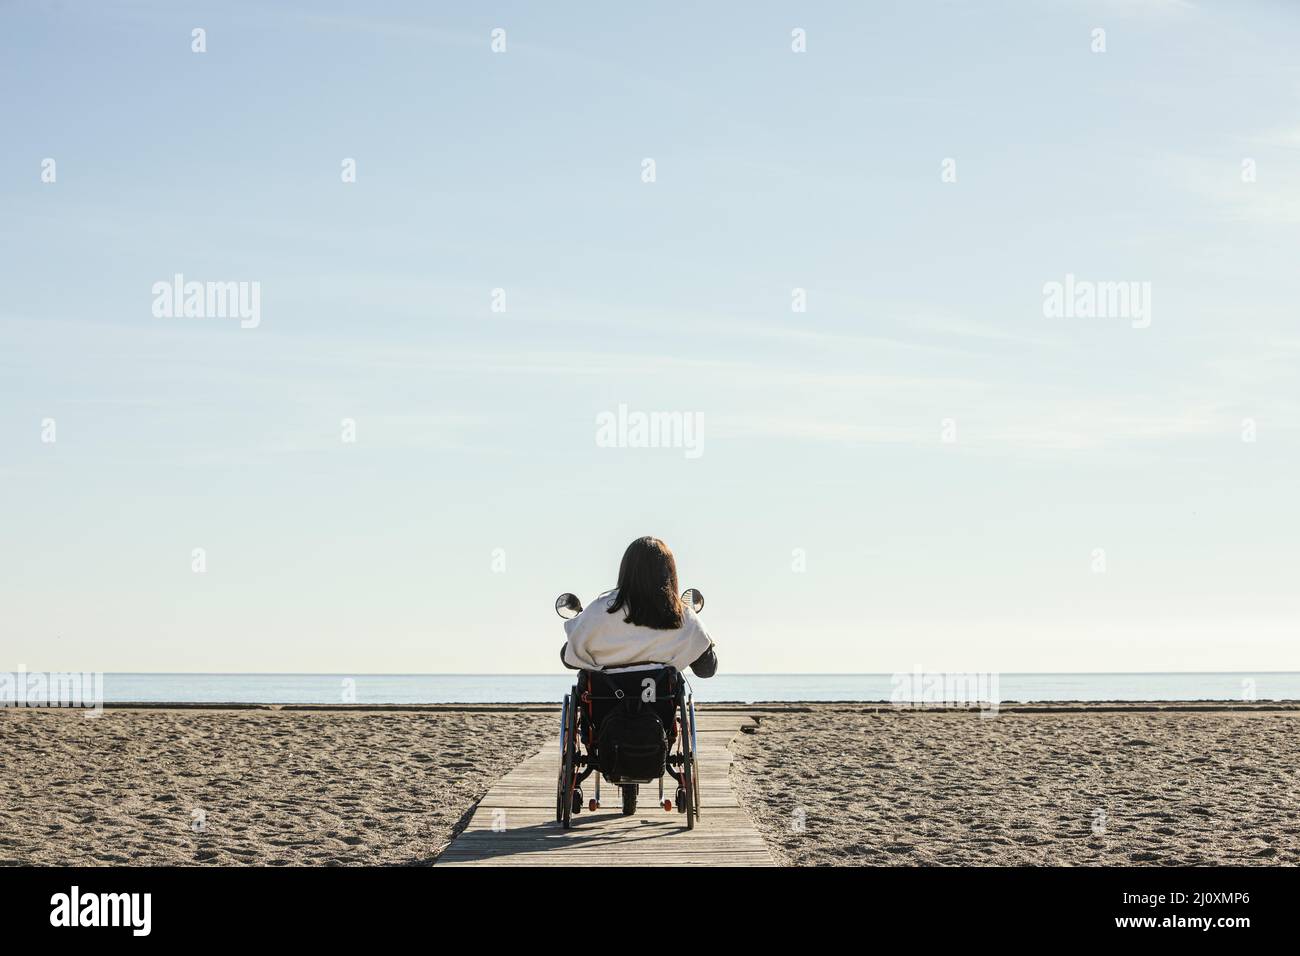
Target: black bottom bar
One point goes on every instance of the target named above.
(267, 905)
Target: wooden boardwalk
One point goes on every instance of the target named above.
(514, 824)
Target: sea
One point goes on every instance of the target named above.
(745, 688)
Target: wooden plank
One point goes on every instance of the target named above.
(514, 824)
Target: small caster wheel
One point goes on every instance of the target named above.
(593, 805)
(577, 800)
(681, 800)
(668, 804)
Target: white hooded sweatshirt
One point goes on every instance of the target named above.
(598, 639)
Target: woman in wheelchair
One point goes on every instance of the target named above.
(631, 646)
(642, 622)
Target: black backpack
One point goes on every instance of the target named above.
(631, 744)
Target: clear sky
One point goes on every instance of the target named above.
(1078, 440)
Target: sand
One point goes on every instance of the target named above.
(247, 787)
(836, 785)
(926, 788)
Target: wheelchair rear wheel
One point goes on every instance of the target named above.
(559, 777)
(695, 763)
(564, 787)
(686, 750)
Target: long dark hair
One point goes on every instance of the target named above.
(647, 586)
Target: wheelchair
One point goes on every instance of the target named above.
(631, 727)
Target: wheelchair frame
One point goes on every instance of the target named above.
(578, 762)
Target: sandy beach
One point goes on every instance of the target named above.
(837, 784)
(186, 787)
(907, 788)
